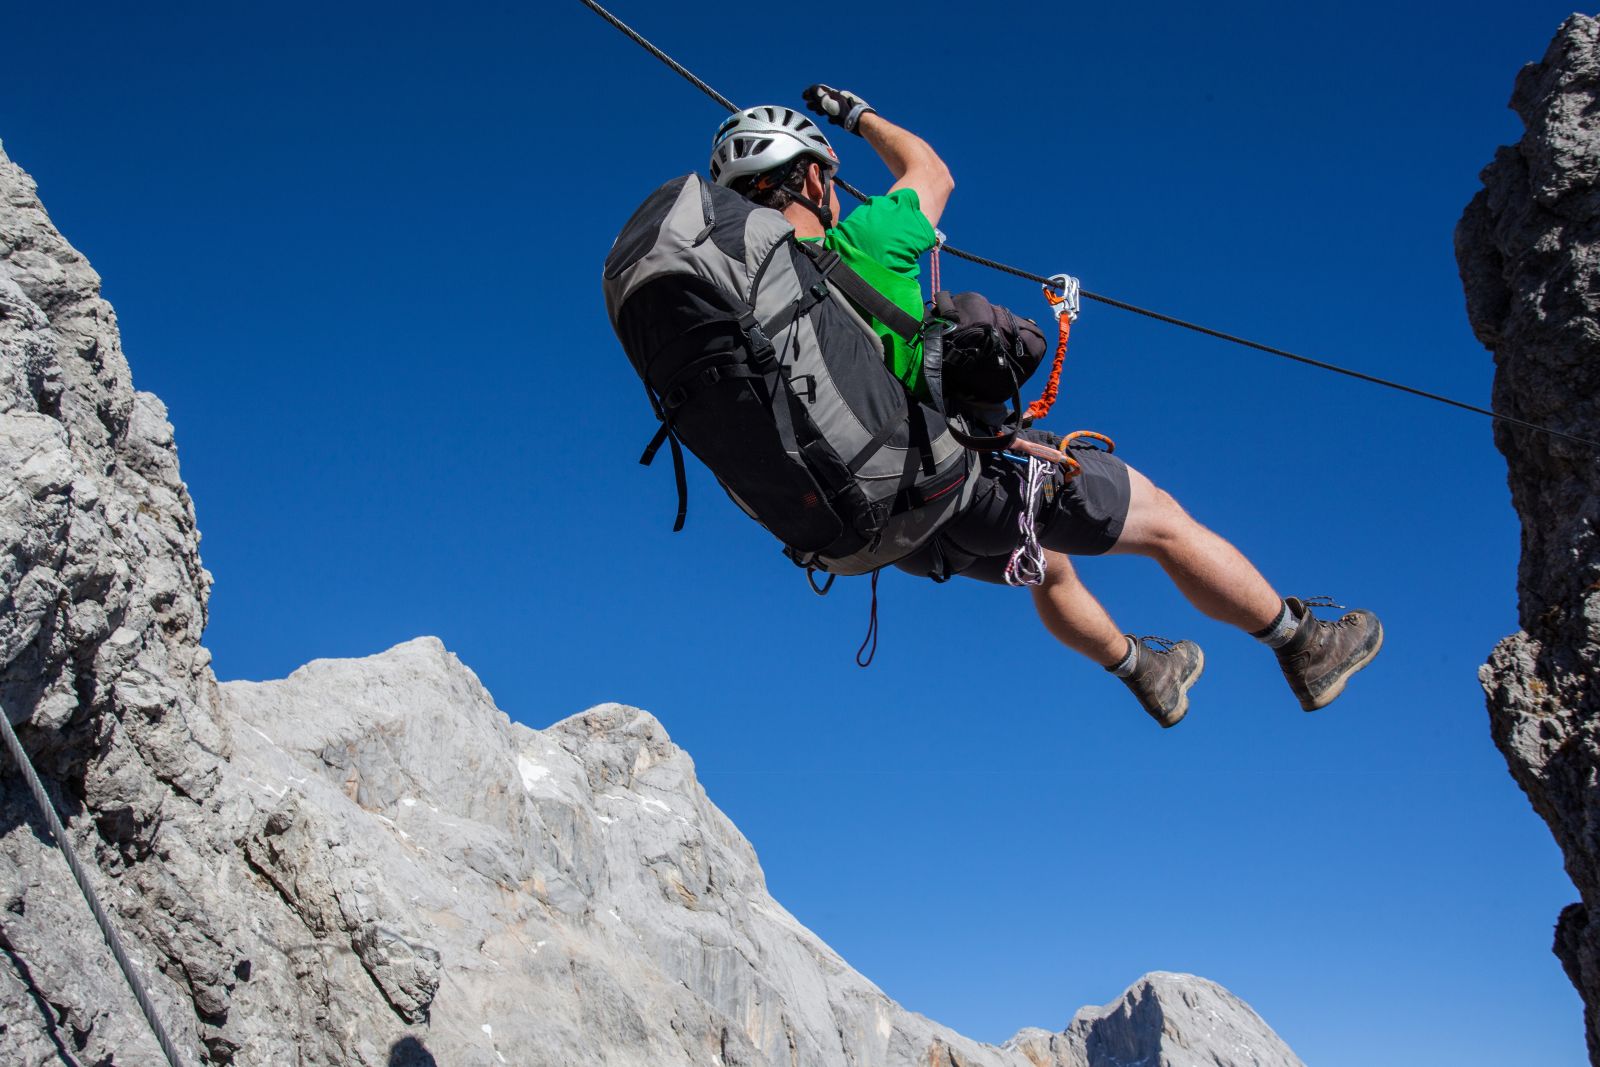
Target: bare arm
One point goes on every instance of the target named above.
(912, 161)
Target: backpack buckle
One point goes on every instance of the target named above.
(759, 341)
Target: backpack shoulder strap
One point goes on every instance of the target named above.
(861, 291)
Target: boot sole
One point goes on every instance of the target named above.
(1183, 692)
(1333, 694)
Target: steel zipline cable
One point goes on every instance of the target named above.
(982, 261)
(109, 932)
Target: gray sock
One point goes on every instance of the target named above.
(1124, 666)
(1282, 629)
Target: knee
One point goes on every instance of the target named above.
(1166, 514)
(1156, 520)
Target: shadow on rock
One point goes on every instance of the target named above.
(47, 1016)
(409, 1052)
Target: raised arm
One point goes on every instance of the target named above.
(912, 161)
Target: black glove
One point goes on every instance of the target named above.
(841, 107)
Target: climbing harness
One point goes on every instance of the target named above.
(1170, 320)
(57, 831)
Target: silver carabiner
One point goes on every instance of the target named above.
(1071, 296)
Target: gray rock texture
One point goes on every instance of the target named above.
(1529, 251)
(368, 863)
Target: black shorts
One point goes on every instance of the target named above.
(1083, 516)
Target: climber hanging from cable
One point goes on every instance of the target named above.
(792, 352)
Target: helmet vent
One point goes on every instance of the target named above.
(759, 140)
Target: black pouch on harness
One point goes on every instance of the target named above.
(988, 352)
(976, 357)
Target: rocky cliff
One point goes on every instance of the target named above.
(1529, 251)
(368, 862)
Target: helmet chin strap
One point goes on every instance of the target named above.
(824, 214)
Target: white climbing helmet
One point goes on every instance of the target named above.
(759, 139)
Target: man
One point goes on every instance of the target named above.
(781, 159)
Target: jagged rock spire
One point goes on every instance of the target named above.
(1529, 251)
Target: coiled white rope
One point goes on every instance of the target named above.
(1027, 564)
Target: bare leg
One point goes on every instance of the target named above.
(1211, 573)
(1072, 614)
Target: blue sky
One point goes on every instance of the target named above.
(357, 251)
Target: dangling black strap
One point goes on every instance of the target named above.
(655, 444)
(679, 475)
(820, 590)
(682, 480)
(872, 629)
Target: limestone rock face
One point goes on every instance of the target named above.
(1529, 251)
(1163, 1020)
(102, 604)
(368, 863)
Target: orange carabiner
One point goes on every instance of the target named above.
(1076, 435)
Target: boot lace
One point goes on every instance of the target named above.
(1328, 602)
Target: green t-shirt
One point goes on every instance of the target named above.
(882, 240)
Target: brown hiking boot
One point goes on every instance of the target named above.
(1321, 656)
(1163, 671)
